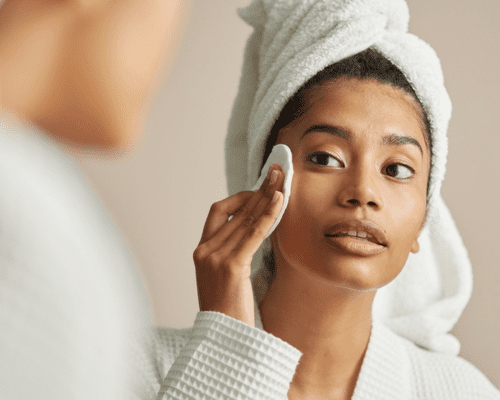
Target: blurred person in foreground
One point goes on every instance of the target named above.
(76, 74)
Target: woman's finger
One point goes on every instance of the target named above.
(246, 215)
(220, 212)
(217, 226)
(260, 210)
(254, 236)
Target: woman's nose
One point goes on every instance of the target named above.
(360, 188)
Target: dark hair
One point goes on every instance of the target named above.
(368, 64)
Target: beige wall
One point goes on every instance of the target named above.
(161, 193)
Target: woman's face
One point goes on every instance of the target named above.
(349, 164)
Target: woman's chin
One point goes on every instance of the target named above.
(331, 265)
(348, 273)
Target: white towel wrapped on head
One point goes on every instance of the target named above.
(292, 41)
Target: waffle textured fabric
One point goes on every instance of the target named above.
(293, 40)
(71, 300)
(223, 358)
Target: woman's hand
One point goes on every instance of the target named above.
(224, 255)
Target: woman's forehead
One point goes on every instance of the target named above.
(360, 106)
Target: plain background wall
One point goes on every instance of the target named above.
(161, 192)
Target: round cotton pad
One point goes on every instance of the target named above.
(282, 156)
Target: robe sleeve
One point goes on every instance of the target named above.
(220, 358)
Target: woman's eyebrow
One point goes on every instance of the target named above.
(400, 140)
(346, 134)
(332, 130)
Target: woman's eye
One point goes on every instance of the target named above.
(323, 159)
(404, 170)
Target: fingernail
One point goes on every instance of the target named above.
(274, 177)
(270, 170)
(275, 197)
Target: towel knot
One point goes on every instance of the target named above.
(398, 16)
(254, 14)
(260, 12)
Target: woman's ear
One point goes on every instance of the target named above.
(415, 247)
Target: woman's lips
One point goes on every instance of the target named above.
(354, 245)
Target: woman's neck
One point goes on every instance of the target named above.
(330, 325)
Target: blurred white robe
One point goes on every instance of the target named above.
(71, 296)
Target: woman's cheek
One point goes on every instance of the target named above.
(407, 216)
(298, 209)
(310, 188)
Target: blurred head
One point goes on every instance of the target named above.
(85, 70)
(364, 170)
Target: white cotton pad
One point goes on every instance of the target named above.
(282, 156)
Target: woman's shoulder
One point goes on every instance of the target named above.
(440, 375)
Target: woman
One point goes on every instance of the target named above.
(296, 315)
